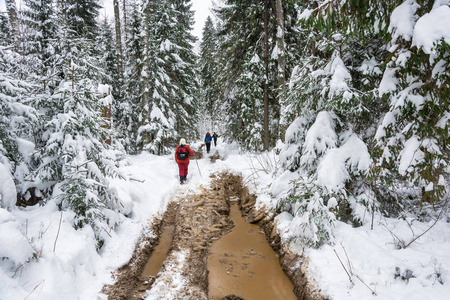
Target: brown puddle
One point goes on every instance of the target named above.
(242, 263)
(157, 258)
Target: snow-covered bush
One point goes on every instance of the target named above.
(15, 249)
(397, 112)
(77, 158)
(250, 86)
(312, 222)
(17, 124)
(332, 166)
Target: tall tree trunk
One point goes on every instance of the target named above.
(13, 20)
(266, 67)
(124, 10)
(281, 51)
(118, 37)
(145, 102)
(281, 57)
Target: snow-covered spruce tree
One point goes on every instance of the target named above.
(412, 152)
(75, 161)
(82, 17)
(183, 70)
(39, 21)
(334, 110)
(237, 39)
(250, 86)
(110, 75)
(169, 64)
(208, 67)
(5, 30)
(16, 123)
(107, 51)
(133, 85)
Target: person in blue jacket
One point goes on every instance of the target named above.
(208, 140)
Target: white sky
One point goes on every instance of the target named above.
(202, 10)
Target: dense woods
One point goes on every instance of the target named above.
(353, 95)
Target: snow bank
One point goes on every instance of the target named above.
(48, 259)
(8, 193)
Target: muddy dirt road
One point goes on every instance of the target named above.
(193, 260)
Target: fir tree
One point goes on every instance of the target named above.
(39, 18)
(82, 17)
(133, 84)
(208, 66)
(168, 71)
(412, 141)
(75, 160)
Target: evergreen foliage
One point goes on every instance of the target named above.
(385, 96)
(365, 119)
(208, 67)
(133, 85)
(168, 69)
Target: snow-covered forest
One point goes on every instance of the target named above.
(337, 112)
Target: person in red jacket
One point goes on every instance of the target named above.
(182, 153)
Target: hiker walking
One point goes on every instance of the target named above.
(215, 138)
(182, 153)
(208, 140)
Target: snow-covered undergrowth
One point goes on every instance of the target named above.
(42, 256)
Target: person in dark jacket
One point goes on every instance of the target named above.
(215, 138)
(208, 140)
(182, 153)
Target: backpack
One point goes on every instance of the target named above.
(208, 138)
(182, 153)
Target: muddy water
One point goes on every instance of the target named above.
(158, 256)
(156, 259)
(243, 264)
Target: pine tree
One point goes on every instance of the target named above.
(5, 30)
(250, 85)
(16, 119)
(82, 17)
(412, 142)
(332, 108)
(133, 84)
(238, 39)
(39, 18)
(208, 70)
(380, 92)
(184, 70)
(168, 71)
(75, 160)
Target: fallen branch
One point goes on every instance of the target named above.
(43, 280)
(59, 227)
(351, 271)
(349, 277)
(432, 225)
(141, 181)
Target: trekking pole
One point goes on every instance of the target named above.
(199, 169)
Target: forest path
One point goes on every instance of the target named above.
(195, 263)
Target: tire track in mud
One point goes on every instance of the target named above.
(128, 278)
(199, 220)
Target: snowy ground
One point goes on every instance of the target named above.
(67, 265)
